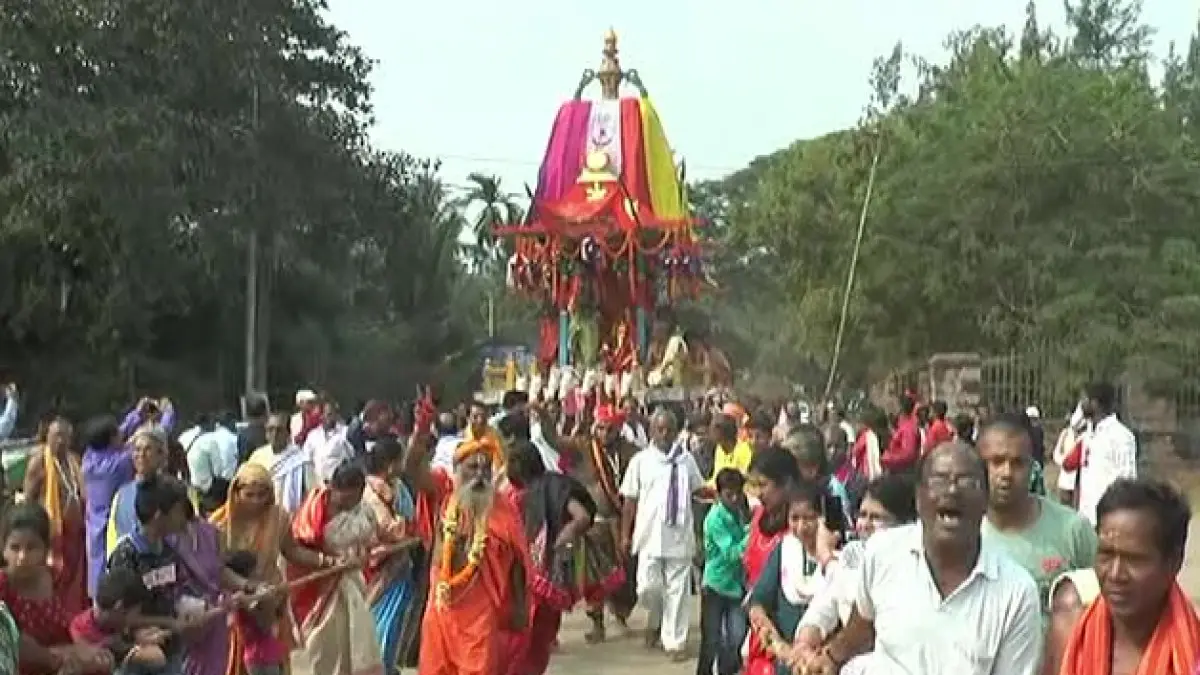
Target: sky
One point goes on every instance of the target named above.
(477, 83)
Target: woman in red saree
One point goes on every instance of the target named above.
(772, 472)
(55, 480)
(335, 627)
(29, 587)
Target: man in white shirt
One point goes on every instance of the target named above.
(207, 469)
(657, 527)
(935, 596)
(8, 418)
(1076, 427)
(189, 435)
(511, 403)
(227, 445)
(449, 437)
(305, 400)
(327, 444)
(1109, 449)
(291, 470)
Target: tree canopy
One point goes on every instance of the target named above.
(1034, 192)
(143, 145)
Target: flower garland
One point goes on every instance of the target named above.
(447, 578)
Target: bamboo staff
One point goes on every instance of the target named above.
(318, 575)
(862, 226)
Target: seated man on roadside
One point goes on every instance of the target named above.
(1143, 622)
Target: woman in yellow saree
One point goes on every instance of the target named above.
(251, 521)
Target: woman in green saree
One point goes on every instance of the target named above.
(789, 580)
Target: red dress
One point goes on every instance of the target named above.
(516, 642)
(759, 661)
(46, 621)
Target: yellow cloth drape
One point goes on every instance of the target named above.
(52, 496)
(263, 536)
(110, 530)
(661, 175)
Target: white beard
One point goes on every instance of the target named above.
(474, 497)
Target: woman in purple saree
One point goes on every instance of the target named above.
(107, 465)
(203, 566)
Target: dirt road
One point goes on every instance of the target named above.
(626, 656)
(617, 656)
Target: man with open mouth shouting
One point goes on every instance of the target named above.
(935, 596)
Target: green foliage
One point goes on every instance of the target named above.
(494, 208)
(143, 143)
(1032, 192)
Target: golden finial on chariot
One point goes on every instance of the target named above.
(610, 73)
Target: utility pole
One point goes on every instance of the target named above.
(491, 315)
(252, 384)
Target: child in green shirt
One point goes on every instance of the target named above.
(723, 623)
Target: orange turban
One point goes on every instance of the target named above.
(486, 445)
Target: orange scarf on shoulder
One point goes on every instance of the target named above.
(1174, 648)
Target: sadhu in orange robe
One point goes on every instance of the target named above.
(464, 636)
(1174, 647)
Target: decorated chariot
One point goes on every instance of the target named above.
(607, 248)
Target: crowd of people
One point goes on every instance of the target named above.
(453, 541)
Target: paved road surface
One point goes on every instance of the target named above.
(626, 656)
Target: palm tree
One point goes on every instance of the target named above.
(496, 208)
